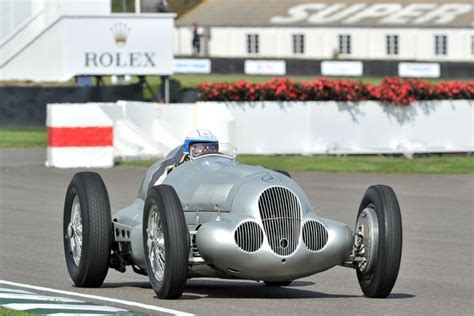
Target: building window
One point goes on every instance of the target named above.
(252, 44)
(391, 44)
(344, 44)
(441, 45)
(298, 43)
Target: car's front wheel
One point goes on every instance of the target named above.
(378, 241)
(166, 242)
(87, 230)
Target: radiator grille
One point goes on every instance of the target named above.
(280, 210)
(249, 236)
(315, 235)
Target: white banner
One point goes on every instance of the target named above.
(119, 45)
(265, 67)
(341, 68)
(190, 66)
(423, 70)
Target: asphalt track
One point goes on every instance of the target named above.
(436, 275)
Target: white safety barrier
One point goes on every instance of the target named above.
(134, 130)
(330, 127)
(142, 130)
(79, 135)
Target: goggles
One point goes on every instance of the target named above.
(199, 149)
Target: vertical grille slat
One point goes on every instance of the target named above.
(280, 211)
(256, 241)
(315, 235)
(249, 236)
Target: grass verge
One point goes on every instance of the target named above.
(11, 312)
(362, 164)
(23, 137)
(37, 138)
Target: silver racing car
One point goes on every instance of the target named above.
(201, 213)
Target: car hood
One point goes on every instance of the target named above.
(210, 183)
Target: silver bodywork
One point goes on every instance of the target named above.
(244, 221)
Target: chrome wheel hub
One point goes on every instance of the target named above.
(74, 230)
(366, 239)
(156, 243)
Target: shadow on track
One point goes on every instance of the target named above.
(113, 285)
(205, 288)
(397, 296)
(247, 289)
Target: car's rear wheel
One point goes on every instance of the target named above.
(378, 241)
(87, 227)
(166, 242)
(277, 283)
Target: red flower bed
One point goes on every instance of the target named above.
(391, 90)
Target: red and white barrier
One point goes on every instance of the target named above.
(79, 135)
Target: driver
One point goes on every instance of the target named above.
(200, 142)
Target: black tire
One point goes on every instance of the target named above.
(277, 283)
(286, 173)
(176, 241)
(92, 266)
(379, 281)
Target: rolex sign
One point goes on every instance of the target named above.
(124, 45)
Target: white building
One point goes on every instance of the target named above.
(394, 30)
(53, 40)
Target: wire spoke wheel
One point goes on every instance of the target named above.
(156, 245)
(87, 229)
(74, 232)
(367, 229)
(378, 241)
(165, 241)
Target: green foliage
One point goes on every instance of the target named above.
(193, 81)
(121, 6)
(177, 6)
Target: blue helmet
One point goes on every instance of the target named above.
(199, 136)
